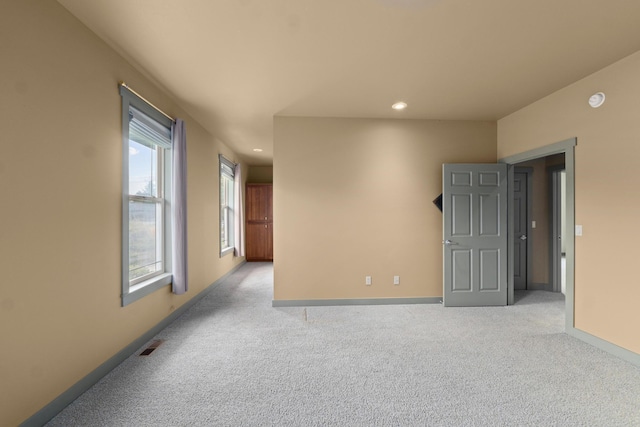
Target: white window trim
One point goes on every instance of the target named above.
(138, 289)
(230, 234)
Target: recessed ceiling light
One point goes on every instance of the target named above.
(399, 106)
(258, 150)
(596, 100)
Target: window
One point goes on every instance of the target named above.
(226, 206)
(146, 172)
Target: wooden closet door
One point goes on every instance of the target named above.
(259, 242)
(259, 202)
(259, 217)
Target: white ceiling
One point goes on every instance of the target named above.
(234, 64)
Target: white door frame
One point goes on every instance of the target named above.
(568, 148)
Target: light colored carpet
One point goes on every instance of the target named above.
(233, 360)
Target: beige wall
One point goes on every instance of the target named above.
(260, 174)
(60, 229)
(353, 197)
(606, 195)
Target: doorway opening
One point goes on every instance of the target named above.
(550, 237)
(539, 204)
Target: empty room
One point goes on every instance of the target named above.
(384, 212)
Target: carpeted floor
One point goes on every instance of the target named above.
(233, 360)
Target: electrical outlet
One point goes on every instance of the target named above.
(396, 280)
(367, 280)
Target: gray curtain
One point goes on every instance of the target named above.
(179, 208)
(238, 212)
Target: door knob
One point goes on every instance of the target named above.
(523, 237)
(449, 242)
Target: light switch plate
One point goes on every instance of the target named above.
(533, 224)
(578, 230)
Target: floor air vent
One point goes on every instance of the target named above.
(155, 344)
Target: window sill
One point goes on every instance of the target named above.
(145, 288)
(226, 252)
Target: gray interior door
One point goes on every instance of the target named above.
(474, 207)
(520, 227)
